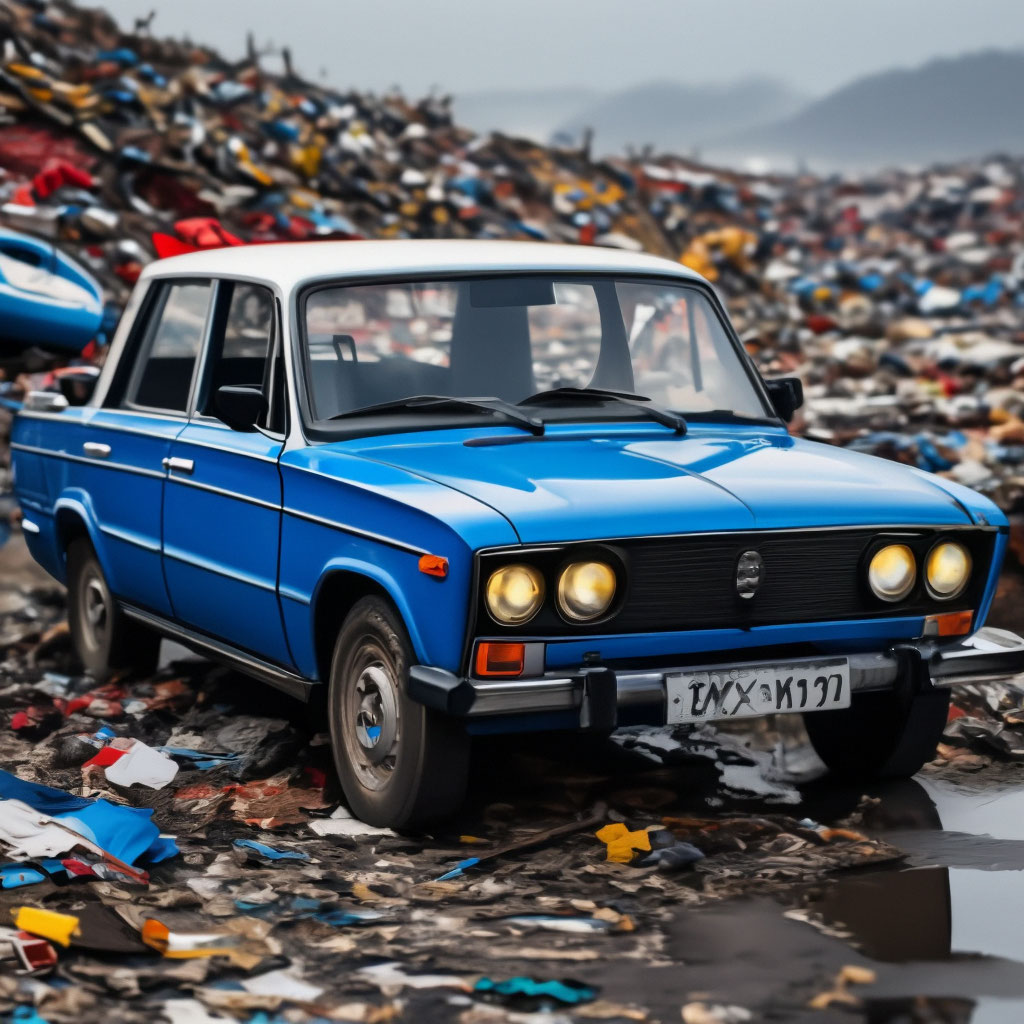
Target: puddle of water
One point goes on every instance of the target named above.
(988, 1010)
(965, 905)
(987, 908)
(993, 812)
(893, 916)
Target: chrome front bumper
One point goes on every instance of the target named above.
(598, 692)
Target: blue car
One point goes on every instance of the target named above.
(461, 488)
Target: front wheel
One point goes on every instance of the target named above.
(882, 735)
(400, 763)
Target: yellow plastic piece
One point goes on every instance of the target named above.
(622, 843)
(47, 924)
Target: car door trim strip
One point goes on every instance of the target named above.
(224, 492)
(95, 463)
(232, 574)
(131, 538)
(356, 532)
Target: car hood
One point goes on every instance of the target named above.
(575, 485)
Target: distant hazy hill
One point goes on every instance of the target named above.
(667, 115)
(948, 108)
(674, 117)
(533, 113)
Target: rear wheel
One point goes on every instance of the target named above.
(884, 735)
(400, 763)
(104, 639)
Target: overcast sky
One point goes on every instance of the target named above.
(467, 46)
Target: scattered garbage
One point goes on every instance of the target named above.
(840, 992)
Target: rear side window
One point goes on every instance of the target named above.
(173, 339)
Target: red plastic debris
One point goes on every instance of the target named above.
(58, 173)
(105, 757)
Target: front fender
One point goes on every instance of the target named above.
(388, 582)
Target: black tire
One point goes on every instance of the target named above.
(400, 764)
(105, 640)
(889, 734)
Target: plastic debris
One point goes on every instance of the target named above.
(185, 946)
(251, 850)
(142, 765)
(623, 845)
(29, 953)
(519, 990)
(840, 992)
(47, 924)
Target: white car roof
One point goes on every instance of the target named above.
(291, 264)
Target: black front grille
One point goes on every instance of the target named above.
(689, 582)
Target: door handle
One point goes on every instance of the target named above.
(181, 465)
(96, 450)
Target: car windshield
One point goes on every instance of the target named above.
(512, 337)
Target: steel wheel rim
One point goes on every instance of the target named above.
(95, 610)
(371, 723)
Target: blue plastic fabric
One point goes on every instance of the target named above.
(200, 759)
(269, 852)
(14, 876)
(126, 833)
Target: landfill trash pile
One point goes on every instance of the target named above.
(896, 297)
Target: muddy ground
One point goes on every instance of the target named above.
(909, 894)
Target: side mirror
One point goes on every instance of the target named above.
(787, 395)
(45, 401)
(240, 407)
(77, 387)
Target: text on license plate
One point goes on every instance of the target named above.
(751, 690)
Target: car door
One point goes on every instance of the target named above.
(222, 503)
(119, 462)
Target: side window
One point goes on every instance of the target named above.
(245, 349)
(170, 347)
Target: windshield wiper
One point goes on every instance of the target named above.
(652, 410)
(414, 403)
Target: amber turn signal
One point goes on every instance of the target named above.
(434, 565)
(949, 624)
(500, 659)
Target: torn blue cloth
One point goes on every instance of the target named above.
(126, 833)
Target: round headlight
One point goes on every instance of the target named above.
(585, 590)
(893, 572)
(947, 570)
(515, 594)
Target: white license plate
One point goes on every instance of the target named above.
(750, 690)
